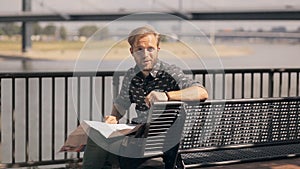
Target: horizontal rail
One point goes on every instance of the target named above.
(121, 73)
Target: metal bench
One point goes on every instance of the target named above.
(233, 131)
(159, 137)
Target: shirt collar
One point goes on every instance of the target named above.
(153, 72)
(156, 68)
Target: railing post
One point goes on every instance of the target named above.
(271, 83)
(116, 83)
(0, 125)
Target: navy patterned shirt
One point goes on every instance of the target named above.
(136, 87)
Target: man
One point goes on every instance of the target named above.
(151, 80)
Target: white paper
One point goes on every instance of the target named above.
(107, 130)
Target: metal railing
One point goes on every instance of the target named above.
(39, 110)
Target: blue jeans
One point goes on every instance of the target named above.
(101, 152)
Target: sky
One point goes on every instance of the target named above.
(133, 5)
(84, 6)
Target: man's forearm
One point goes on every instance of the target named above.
(117, 111)
(194, 93)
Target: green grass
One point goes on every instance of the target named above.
(10, 45)
(42, 46)
(57, 45)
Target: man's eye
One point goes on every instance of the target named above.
(150, 49)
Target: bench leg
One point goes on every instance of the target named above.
(170, 157)
(179, 163)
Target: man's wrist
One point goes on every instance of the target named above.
(111, 119)
(167, 95)
(116, 116)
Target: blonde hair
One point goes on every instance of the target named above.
(141, 32)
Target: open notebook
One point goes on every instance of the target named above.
(77, 140)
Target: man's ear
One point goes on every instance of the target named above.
(131, 50)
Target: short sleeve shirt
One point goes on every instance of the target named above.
(162, 78)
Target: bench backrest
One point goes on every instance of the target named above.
(162, 131)
(246, 122)
(164, 127)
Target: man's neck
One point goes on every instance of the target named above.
(146, 72)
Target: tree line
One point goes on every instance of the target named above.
(12, 29)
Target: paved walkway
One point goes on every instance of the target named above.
(291, 163)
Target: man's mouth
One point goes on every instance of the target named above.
(146, 61)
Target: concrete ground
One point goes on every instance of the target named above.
(290, 163)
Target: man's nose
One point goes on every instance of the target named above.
(144, 52)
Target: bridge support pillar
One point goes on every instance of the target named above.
(26, 28)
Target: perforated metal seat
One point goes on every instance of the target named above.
(217, 132)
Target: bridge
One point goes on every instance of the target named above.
(28, 16)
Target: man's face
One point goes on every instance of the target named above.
(145, 52)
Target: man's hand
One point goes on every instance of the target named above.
(155, 97)
(111, 119)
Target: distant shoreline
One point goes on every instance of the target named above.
(73, 51)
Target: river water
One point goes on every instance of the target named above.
(262, 56)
